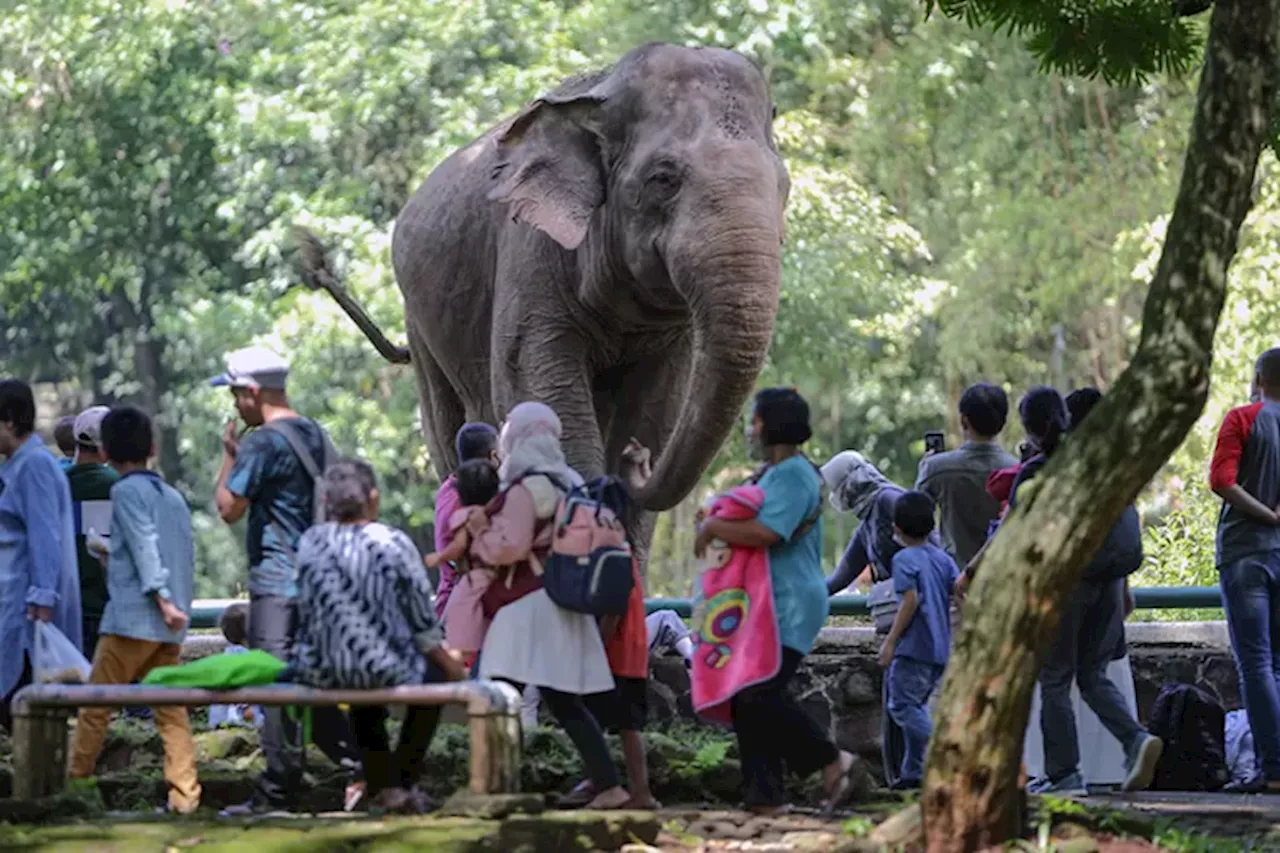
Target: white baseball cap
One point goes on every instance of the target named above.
(253, 367)
(88, 426)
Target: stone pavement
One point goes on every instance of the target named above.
(1250, 817)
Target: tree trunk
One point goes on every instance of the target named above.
(971, 795)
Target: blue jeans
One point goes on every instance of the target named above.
(911, 682)
(1088, 635)
(1251, 596)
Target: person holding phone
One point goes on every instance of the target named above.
(957, 479)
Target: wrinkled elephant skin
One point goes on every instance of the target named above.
(613, 251)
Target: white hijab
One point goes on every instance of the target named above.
(530, 443)
(852, 482)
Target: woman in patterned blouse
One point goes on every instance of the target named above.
(366, 620)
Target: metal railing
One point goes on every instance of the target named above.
(205, 614)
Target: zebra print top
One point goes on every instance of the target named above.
(365, 610)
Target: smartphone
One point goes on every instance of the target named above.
(934, 442)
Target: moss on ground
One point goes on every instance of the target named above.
(293, 836)
(686, 765)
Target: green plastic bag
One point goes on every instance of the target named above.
(220, 672)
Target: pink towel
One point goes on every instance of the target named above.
(735, 627)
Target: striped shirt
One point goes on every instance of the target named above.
(366, 616)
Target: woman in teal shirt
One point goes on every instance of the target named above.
(773, 731)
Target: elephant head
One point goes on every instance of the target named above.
(663, 175)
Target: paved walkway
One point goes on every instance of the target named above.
(1240, 816)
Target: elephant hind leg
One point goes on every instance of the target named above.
(443, 413)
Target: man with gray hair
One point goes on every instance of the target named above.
(271, 470)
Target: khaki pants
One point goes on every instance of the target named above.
(121, 660)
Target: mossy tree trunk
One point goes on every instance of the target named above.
(971, 797)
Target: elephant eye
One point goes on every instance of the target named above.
(662, 186)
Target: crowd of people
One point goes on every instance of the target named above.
(99, 546)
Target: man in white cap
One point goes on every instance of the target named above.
(91, 479)
(270, 471)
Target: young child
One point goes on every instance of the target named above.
(235, 628)
(150, 576)
(623, 710)
(464, 622)
(916, 650)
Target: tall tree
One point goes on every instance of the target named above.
(971, 798)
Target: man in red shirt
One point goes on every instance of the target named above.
(1246, 475)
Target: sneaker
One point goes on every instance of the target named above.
(1142, 764)
(1071, 785)
(1255, 784)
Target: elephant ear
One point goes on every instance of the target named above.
(549, 166)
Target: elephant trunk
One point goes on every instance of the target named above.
(732, 293)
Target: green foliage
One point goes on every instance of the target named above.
(858, 827)
(1178, 840)
(955, 214)
(1122, 41)
(709, 756)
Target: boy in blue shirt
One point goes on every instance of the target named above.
(919, 643)
(151, 579)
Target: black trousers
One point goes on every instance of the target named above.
(272, 621)
(384, 768)
(584, 730)
(776, 735)
(89, 630)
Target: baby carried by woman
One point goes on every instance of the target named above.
(465, 622)
(735, 629)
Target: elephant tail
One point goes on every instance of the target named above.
(317, 275)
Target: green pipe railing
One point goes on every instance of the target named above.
(206, 614)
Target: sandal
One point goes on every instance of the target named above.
(582, 794)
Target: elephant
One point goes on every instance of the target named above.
(612, 250)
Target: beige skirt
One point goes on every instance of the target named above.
(535, 642)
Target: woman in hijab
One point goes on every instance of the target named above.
(532, 641)
(858, 487)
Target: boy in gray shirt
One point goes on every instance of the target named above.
(957, 479)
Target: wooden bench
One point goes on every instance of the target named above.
(41, 713)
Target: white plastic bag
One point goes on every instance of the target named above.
(1242, 758)
(56, 659)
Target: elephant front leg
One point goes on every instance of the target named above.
(554, 372)
(647, 400)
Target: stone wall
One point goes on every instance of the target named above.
(840, 682)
